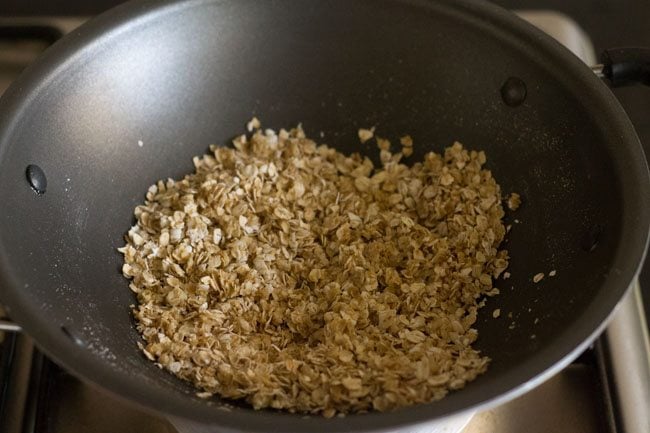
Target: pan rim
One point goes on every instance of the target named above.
(553, 358)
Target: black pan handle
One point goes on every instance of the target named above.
(625, 66)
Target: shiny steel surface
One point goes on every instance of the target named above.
(598, 70)
(567, 403)
(9, 326)
(626, 359)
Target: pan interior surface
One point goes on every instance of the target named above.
(131, 97)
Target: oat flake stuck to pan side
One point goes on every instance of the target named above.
(291, 276)
(514, 201)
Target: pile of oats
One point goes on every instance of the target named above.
(294, 277)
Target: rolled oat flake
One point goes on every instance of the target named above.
(289, 275)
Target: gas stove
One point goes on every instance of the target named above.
(606, 389)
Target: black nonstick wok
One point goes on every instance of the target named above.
(130, 97)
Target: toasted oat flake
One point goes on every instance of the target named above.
(253, 124)
(514, 201)
(406, 141)
(383, 144)
(538, 277)
(288, 275)
(552, 273)
(496, 313)
(366, 134)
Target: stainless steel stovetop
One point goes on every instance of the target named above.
(607, 389)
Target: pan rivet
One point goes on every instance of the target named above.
(513, 91)
(76, 340)
(36, 178)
